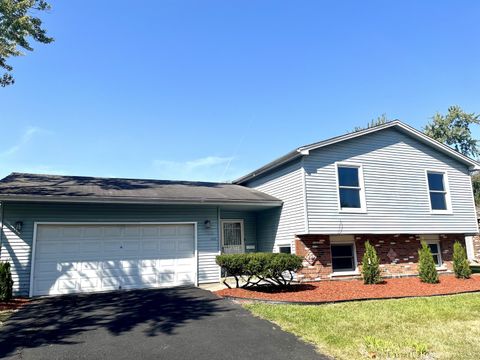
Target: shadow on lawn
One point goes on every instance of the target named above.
(54, 320)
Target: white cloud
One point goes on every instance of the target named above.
(209, 168)
(27, 136)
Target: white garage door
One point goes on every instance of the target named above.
(89, 258)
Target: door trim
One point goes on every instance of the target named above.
(36, 223)
(242, 232)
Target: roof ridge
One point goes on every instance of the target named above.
(121, 178)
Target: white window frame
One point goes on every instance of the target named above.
(361, 183)
(283, 246)
(448, 201)
(344, 240)
(439, 254)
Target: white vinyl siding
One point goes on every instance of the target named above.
(279, 226)
(396, 190)
(16, 248)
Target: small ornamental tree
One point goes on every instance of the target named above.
(6, 281)
(426, 266)
(461, 268)
(371, 265)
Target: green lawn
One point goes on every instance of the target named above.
(4, 315)
(446, 327)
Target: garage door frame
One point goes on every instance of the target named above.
(100, 223)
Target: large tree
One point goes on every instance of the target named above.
(18, 25)
(453, 129)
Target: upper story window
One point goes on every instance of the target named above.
(438, 191)
(350, 187)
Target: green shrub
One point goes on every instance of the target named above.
(426, 266)
(6, 281)
(256, 268)
(461, 267)
(371, 265)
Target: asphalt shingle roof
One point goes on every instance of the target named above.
(36, 186)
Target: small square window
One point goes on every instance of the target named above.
(343, 258)
(285, 249)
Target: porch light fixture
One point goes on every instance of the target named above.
(208, 224)
(19, 226)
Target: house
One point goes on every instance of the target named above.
(389, 184)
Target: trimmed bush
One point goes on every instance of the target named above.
(371, 265)
(461, 267)
(426, 266)
(6, 282)
(256, 268)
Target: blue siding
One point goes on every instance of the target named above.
(17, 248)
(397, 199)
(279, 226)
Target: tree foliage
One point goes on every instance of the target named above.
(461, 267)
(371, 265)
(382, 119)
(17, 26)
(6, 281)
(426, 266)
(453, 129)
(476, 187)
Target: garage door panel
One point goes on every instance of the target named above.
(90, 265)
(89, 284)
(72, 232)
(149, 245)
(87, 258)
(166, 231)
(167, 245)
(133, 230)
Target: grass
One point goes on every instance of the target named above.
(4, 315)
(444, 327)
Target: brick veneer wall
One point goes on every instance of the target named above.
(398, 253)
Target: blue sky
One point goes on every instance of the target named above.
(209, 90)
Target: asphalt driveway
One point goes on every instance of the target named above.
(181, 323)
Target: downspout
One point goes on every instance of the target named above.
(305, 203)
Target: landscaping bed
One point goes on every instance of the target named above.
(336, 291)
(13, 304)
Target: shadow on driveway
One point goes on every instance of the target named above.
(180, 323)
(55, 320)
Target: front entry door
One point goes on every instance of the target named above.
(232, 237)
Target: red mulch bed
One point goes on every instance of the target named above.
(13, 304)
(331, 291)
